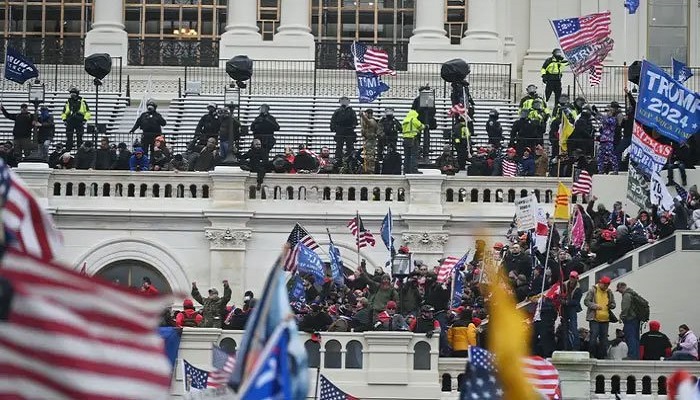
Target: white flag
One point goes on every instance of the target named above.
(144, 99)
(659, 195)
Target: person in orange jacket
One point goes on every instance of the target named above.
(461, 335)
(188, 317)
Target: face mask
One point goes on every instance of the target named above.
(73, 96)
(246, 298)
(151, 108)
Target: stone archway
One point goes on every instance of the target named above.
(158, 257)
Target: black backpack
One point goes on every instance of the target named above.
(640, 306)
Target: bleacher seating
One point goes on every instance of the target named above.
(112, 108)
(307, 119)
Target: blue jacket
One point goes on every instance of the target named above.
(527, 166)
(136, 164)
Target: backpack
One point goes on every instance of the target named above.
(640, 307)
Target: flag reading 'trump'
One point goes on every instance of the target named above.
(18, 68)
(586, 41)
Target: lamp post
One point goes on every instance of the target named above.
(232, 99)
(37, 95)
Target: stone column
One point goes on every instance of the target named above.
(293, 40)
(482, 39)
(575, 372)
(107, 34)
(227, 258)
(429, 37)
(242, 36)
(505, 27)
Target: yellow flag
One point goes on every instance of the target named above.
(561, 203)
(565, 130)
(509, 339)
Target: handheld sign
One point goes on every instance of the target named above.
(666, 105)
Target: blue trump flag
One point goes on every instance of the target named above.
(336, 263)
(18, 68)
(308, 262)
(458, 282)
(681, 72)
(632, 6)
(666, 105)
(171, 339)
(271, 361)
(298, 293)
(370, 87)
(386, 232)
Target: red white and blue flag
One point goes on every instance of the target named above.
(224, 364)
(331, 392)
(586, 42)
(297, 235)
(363, 237)
(369, 59)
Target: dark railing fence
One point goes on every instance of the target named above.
(173, 52)
(305, 78)
(339, 55)
(61, 65)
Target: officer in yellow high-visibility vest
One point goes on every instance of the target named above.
(411, 127)
(461, 135)
(552, 73)
(531, 96)
(75, 114)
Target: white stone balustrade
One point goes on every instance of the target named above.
(404, 365)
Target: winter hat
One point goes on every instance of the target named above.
(605, 280)
(511, 150)
(574, 275)
(138, 150)
(188, 304)
(391, 305)
(654, 326)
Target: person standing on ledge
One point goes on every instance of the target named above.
(343, 123)
(552, 73)
(75, 114)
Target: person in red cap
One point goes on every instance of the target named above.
(570, 307)
(654, 344)
(508, 165)
(188, 317)
(599, 302)
(383, 319)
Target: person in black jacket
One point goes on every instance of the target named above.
(343, 123)
(151, 124)
(22, 130)
(230, 130)
(264, 127)
(257, 161)
(523, 133)
(7, 155)
(391, 128)
(494, 130)
(208, 125)
(582, 137)
(85, 156)
(106, 155)
(123, 155)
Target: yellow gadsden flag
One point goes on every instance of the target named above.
(561, 203)
(565, 130)
(509, 339)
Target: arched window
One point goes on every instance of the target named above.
(332, 358)
(421, 356)
(131, 273)
(313, 352)
(353, 355)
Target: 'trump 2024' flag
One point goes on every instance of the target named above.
(18, 68)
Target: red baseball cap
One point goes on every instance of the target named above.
(573, 274)
(605, 280)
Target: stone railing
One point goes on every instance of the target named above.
(404, 365)
(229, 187)
(367, 365)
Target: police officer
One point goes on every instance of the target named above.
(264, 127)
(552, 73)
(461, 136)
(75, 114)
(411, 127)
(343, 123)
(529, 98)
(391, 127)
(151, 123)
(539, 114)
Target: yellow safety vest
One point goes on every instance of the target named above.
(463, 133)
(84, 110)
(411, 125)
(553, 67)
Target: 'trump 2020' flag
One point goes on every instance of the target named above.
(271, 361)
(370, 87)
(585, 40)
(666, 105)
(71, 336)
(18, 68)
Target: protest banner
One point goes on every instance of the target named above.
(649, 155)
(525, 212)
(638, 188)
(659, 194)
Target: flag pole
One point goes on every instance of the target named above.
(318, 378)
(357, 236)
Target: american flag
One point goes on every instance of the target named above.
(331, 392)
(510, 168)
(543, 376)
(363, 237)
(223, 363)
(71, 336)
(372, 60)
(194, 378)
(32, 228)
(446, 268)
(584, 184)
(298, 234)
(578, 31)
(457, 110)
(595, 75)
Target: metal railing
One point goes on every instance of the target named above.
(173, 52)
(49, 50)
(305, 78)
(332, 55)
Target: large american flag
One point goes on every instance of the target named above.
(583, 185)
(578, 31)
(372, 60)
(32, 228)
(298, 235)
(595, 75)
(331, 392)
(363, 237)
(543, 376)
(71, 336)
(445, 270)
(510, 168)
(223, 363)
